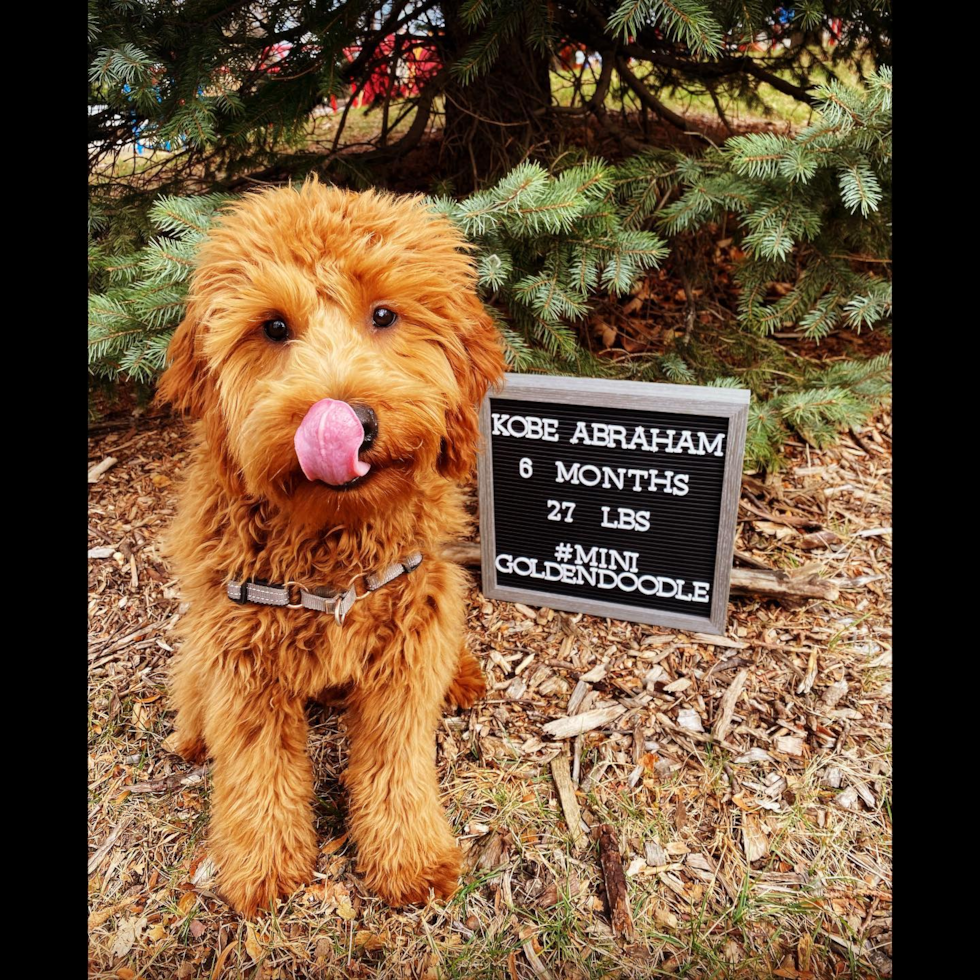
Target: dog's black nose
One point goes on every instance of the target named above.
(369, 423)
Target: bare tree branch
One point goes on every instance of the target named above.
(654, 104)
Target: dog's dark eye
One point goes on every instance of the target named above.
(276, 330)
(383, 317)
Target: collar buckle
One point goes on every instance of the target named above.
(290, 604)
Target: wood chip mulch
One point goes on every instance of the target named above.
(742, 782)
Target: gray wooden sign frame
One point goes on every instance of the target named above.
(730, 403)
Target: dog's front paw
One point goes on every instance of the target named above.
(188, 748)
(403, 885)
(248, 894)
(247, 897)
(468, 686)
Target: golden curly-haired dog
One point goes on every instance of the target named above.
(333, 352)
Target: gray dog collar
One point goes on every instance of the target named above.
(321, 599)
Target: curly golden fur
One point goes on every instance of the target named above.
(322, 259)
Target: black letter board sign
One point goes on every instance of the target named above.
(615, 498)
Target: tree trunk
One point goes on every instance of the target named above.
(496, 120)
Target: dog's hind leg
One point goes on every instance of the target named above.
(405, 845)
(469, 684)
(262, 835)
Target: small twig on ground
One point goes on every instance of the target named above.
(778, 584)
(614, 879)
(168, 784)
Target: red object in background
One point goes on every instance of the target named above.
(566, 54)
(271, 56)
(416, 64)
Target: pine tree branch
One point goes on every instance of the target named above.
(594, 31)
(218, 14)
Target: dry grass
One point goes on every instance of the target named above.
(764, 854)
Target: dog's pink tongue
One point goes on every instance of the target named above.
(327, 442)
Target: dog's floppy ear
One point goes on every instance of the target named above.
(478, 362)
(185, 384)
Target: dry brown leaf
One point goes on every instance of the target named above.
(606, 333)
(170, 743)
(127, 934)
(334, 845)
(253, 945)
(804, 950)
(365, 939)
(732, 952)
(219, 963)
(141, 717)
